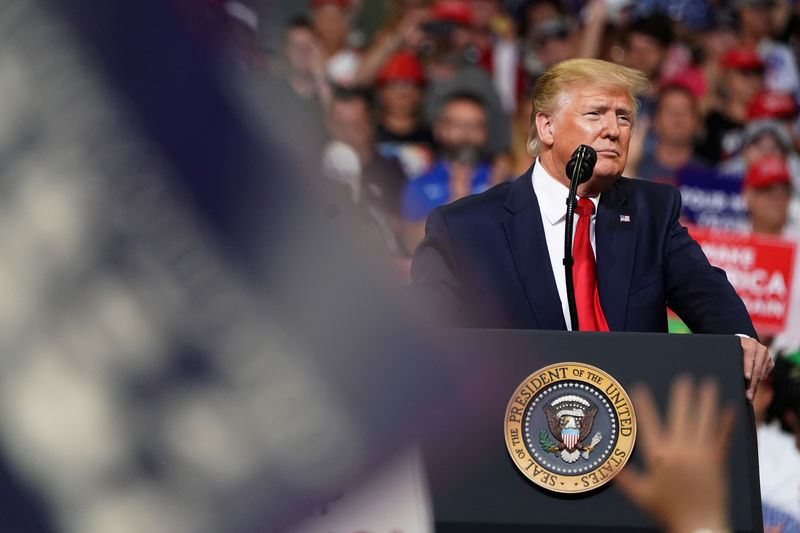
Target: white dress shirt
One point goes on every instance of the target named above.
(552, 197)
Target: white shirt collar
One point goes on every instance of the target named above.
(552, 195)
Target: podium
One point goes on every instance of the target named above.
(475, 485)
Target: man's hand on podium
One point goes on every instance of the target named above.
(684, 484)
(757, 364)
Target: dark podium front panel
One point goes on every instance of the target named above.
(476, 486)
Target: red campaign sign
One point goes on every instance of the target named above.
(760, 269)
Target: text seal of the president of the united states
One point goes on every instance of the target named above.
(570, 427)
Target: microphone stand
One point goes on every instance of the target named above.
(579, 169)
(569, 260)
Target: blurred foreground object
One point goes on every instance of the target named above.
(683, 487)
(394, 499)
(188, 338)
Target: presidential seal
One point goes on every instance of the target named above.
(570, 427)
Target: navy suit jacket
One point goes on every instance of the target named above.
(484, 263)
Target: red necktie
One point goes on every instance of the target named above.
(587, 300)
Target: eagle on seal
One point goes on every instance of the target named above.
(570, 420)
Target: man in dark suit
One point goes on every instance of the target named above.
(494, 259)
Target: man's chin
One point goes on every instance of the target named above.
(600, 181)
(609, 167)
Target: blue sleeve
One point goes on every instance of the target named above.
(697, 291)
(416, 204)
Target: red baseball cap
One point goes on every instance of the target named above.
(344, 4)
(458, 11)
(690, 79)
(742, 57)
(772, 104)
(402, 66)
(768, 170)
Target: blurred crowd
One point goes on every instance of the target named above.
(411, 104)
(429, 101)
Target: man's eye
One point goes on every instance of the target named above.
(624, 118)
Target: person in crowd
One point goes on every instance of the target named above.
(767, 190)
(401, 132)
(742, 79)
(374, 182)
(782, 107)
(521, 160)
(551, 41)
(495, 259)
(404, 31)
(552, 35)
(450, 62)
(647, 41)
(711, 45)
(646, 44)
(298, 79)
(535, 12)
(303, 67)
(330, 20)
(451, 28)
(769, 193)
(778, 105)
(442, 37)
(755, 28)
(461, 168)
(714, 199)
(676, 124)
(493, 35)
(777, 411)
(761, 138)
(398, 16)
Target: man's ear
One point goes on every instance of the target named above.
(544, 127)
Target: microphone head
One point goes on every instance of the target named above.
(584, 157)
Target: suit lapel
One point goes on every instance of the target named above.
(615, 230)
(522, 223)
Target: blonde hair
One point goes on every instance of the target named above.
(552, 87)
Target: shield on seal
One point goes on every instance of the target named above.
(569, 437)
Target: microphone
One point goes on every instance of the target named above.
(581, 164)
(579, 169)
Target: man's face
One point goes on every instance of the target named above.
(676, 119)
(743, 84)
(768, 207)
(766, 144)
(755, 19)
(554, 49)
(331, 24)
(350, 122)
(299, 49)
(598, 117)
(463, 122)
(400, 97)
(645, 53)
(717, 41)
(540, 12)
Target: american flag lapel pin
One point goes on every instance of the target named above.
(624, 218)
